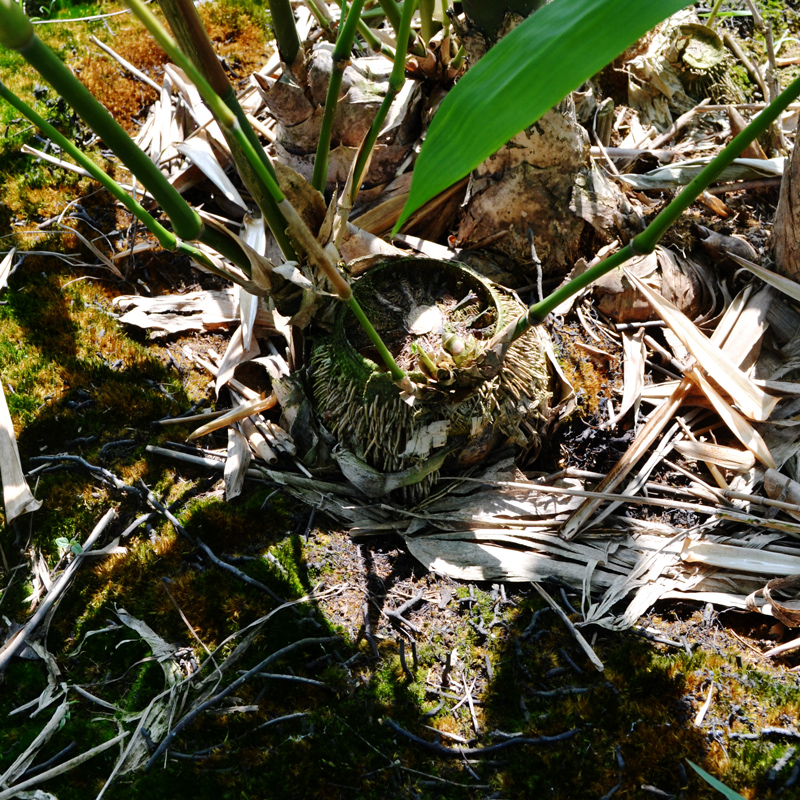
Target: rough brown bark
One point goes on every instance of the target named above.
(786, 230)
(541, 184)
(541, 187)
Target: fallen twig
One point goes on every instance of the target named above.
(458, 752)
(15, 644)
(190, 717)
(755, 73)
(397, 614)
(579, 638)
(101, 472)
(61, 768)
(151, 498)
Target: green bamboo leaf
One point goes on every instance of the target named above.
(712, 781)
(528, 72)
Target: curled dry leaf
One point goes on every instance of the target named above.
(5, 267)
(235, 415)
(686, 283)
(739, 559)
(726, 457)
(738, 425)
(635, 356)
(782, 596)
(193, 311)
(236, 464)
(719, 246)
(17, 497)
(786, 285)
(202, 156)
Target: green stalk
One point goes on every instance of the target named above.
(227, 119)
(321, 19)
(192, 38)
(222, 114)
(429, 25)
(375, 44)
(396, 81)
(185, 221)
(341, 58)
(395, 371)
(646, 241)
(285, 30)
(713, 15)
(393, 14)
(166, 238)
(344, 292)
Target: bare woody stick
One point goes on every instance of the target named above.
(17, 642)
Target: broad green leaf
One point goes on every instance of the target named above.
(718, 785)
(528, 72)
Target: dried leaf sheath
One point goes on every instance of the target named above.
(17, 497)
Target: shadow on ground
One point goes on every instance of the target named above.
(433, 689)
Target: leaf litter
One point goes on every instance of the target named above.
(499, 524)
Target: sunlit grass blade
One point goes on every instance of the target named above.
(528, 72)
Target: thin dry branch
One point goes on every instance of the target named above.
(15, 644)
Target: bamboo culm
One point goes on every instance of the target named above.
(396, 81)
(192, 39)
(341, 58)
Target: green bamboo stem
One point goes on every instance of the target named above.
(166, 238)
(16, 29)
(192, 38)
(394, 370)
(646, 241)
(222, 114)
(283, 24)
(393, 13)
(429, 25)
(396, 81)
(344, 291)
(375, 44)
(320, 17)
(341, 58)
(713, 15)
(226, 119)
(185, 220)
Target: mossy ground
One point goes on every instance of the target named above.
(78, 384)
